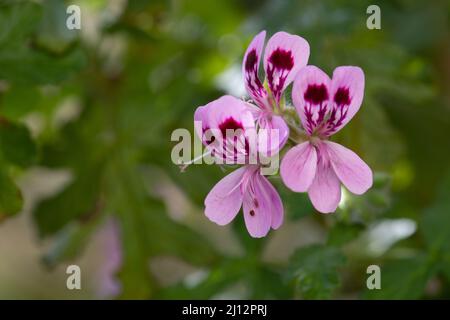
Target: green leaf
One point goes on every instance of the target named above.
(314, 270)
(53, 32)
(268, 283)
(436, 219)
(17, 21)
(147, 230)
(20, 61)
(445, 266)
(11, 200)
(403, 279)
(78, 200)
(19, 101)
(16, 145)
(253, 246)
(225, 274)
(297, 205)
(24, 66)
(343, 233)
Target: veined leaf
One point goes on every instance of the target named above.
(315, 271)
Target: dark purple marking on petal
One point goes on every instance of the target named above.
(282, 59)
(211, 140)
(229, 124)
(251, 60)
(280, 63)
(256, 203)
(316, 93)
(254, 85)
(231, 130)
(342, 96)
(316, 104)
(208, 140)
(252, 212)
(339, 111)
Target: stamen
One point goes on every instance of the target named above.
(183, 166)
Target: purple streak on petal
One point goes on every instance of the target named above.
(285, 54)
(230, 124)
(282, 59)
(310, 95)
(280, 63)
(226, 122)
(251, 60)
(250, 67)
(347, 87)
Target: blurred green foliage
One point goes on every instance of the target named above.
(137, 71)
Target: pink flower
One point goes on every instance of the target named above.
(284, 55)
(319, 166)
(245, 186)
(226, 127)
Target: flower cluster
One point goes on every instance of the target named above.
(314, 164)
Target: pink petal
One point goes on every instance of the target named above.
(225, 199)
(275, 200)
(227, 116)
(285, 54)
(353, 172)
(258, 207)
(278, 123)
(226, 107)
(347, 92)
(250, 67)
(272, 134)
(325, 190)
(298, 167)
(200, 121)
(310, 94)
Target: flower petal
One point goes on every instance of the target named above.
(347, 91)
(257, 207)
(325, 190)
(227, 121)
(272, 135)
(250, 68)
(275, 200)
(225, 199)
(353, 172)
(278, 123)
(200, 121)
(229, 107)
(310, 94)
(298, 167)
(285, 54)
